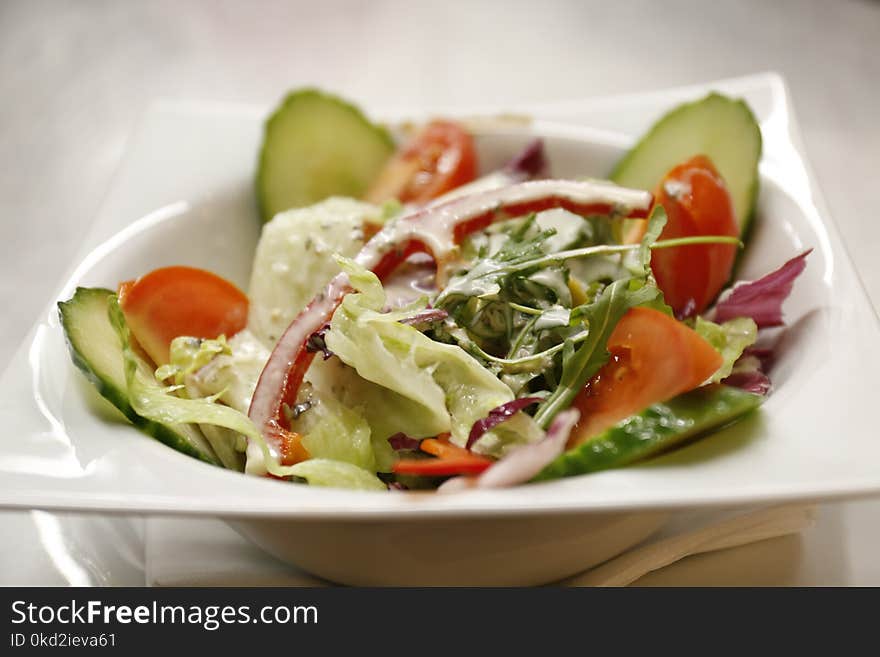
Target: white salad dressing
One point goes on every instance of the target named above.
(553, 317)
(434, 225)
(553, 279)
(414, 279)
(294, 260)
(568, 226)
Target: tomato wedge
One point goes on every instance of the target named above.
(174, 301)
(653, 358)
(451, 460)
(439, 158)
(697, 202)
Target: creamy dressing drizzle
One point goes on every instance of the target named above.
(414, 279)
(553, 317)
(434, 226)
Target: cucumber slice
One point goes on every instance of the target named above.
(656, 429)
(95, 349)
(722, 128)
(316, 145)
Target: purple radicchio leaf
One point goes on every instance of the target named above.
(401, 441)
(316, 342)
(761, 299)
(748, 374)
(425, 317)
(498, 415)
(755, 381)
(764, 354)
(529, 163)
(524, 462)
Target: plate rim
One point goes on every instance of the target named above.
(476, 506)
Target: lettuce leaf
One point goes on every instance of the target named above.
(161, 405)
(384, 411)
(337, 474)
(730, 339)
(232, 375)
(446, 390)
(333, 431)
(189, 354)
(293, 261)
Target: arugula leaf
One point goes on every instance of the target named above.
(656, 223)
(580, 363)
(443, 387)
(487, 278)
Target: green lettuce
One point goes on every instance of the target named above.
(293, 260)
(188, 355)
(337, 474)
(730, 339)
(162, 405)
(232, 374)
(333, 431)
(446, 389)
(334, 385)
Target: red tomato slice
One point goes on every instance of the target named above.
(697, 202)
(175, 301)
(653, 358)
(436, 160)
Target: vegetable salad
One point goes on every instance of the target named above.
(414, 322)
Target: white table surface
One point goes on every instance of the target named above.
(74, 77)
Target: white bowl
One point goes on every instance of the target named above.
(813, 439)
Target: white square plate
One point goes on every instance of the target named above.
(190, 167)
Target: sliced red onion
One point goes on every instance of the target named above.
(523, 463)
(282, 376)
(401, 441)
(498, 415)
(456, 484)
(761, 299)
(426, 316)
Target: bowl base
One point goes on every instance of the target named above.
(483, 551)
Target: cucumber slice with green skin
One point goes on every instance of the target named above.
(95, 349)
(315, 146)
(658, 428)
(722, 128)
